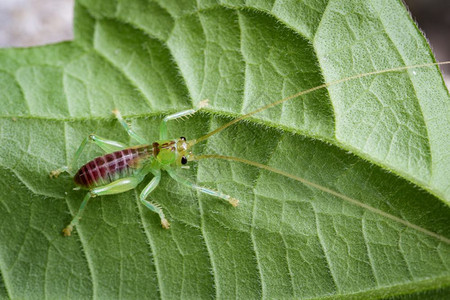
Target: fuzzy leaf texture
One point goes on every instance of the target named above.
(380, 140)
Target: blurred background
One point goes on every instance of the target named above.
(25, 23)
(433, 18)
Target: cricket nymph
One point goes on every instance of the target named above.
(129, 161)
(122, 168)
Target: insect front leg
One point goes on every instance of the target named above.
(188, 183)
(106, 145)
(115, 187)
(163, 126)
(153, 207)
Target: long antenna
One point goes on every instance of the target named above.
(329, 191)
(322, 86)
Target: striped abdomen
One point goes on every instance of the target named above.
(110, 167)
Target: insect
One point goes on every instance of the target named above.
(122, 168)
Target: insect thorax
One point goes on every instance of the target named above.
(170, 152)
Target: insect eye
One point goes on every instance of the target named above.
(184, 160)
(183, 138)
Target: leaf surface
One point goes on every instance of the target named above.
(381, 141)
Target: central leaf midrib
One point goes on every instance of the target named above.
(334, 141)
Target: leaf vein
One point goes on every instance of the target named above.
(150, 243)
(369, 253)
(324, 248)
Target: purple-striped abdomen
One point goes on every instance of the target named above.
(107, 168)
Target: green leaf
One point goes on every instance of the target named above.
(380, 142)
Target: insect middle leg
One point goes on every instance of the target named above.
(115, 187)
(163, 126)
(106, 145)
(153, 207)
(130, 131)
(233, 201)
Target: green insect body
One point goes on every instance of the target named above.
(122, 168)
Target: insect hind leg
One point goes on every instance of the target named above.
(115, 187)
(67, 231)
(104, 144)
